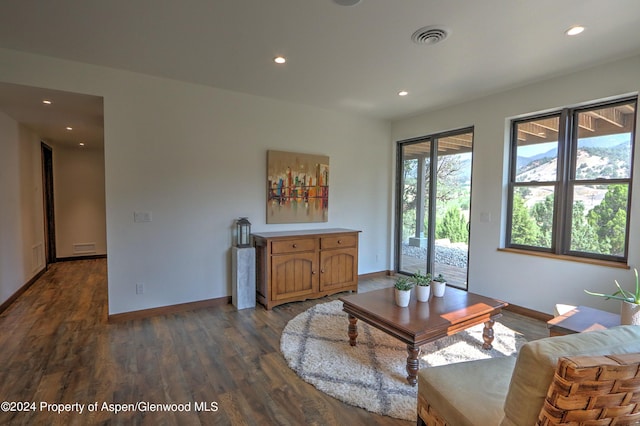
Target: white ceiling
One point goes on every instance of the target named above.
(83, 113)
(349, 58)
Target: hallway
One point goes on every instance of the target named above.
(57, 347)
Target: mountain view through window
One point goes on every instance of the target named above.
(570, 192)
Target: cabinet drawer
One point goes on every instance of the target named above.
(338, 241)
(293, 246)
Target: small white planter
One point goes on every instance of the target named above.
(403, 297)
(422, 293)
(629, 313)
(438, 288)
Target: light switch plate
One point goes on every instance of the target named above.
(141, 217)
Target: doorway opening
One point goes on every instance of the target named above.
(433, 205)
(48, 203)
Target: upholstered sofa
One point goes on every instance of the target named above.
(512, 391)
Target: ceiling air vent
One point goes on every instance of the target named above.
(346, 2)
(429, 35)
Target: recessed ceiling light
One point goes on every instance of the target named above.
(46, 102)
(81, 144)
(575, 30)
(69, 128)
(346, 2)
(279, 60)
(403, 93)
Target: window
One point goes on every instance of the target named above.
(570, 181)
(433, 205)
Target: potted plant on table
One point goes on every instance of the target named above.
(403, 291)
(439, 285)
(630, 306)
(422, 286)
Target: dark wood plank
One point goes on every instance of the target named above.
(58, 346)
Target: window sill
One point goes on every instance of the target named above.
(590, 261)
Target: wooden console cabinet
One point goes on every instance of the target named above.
(298, 265)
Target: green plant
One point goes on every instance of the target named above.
(440, 278)
(403, 284)
(621, 294)
(422, 280)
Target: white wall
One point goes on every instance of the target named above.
(21, 207)
(533, 282)
(79, 199)
(195, 157)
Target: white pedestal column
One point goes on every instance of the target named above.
(243, 286)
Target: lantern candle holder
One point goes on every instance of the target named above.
(243, 232)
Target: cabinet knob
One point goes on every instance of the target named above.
(322, 271)
(295, 246)
(313, 272)
(339, 241)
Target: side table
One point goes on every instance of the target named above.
(580, 319)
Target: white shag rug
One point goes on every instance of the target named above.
(372, 374)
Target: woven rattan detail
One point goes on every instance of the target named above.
(594, 390)
(428, 414)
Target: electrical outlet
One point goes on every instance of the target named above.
(140, 288)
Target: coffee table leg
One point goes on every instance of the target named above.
(487, 334)
(413, 364)
(353, 330)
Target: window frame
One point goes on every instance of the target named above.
(434, 139)
(568, 137)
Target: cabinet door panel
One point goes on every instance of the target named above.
(338, 268)
(293, 275)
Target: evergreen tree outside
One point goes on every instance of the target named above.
(452, 187)
(409, 193)
(542, 213)
(583, 237)
(602, 230)
(609, 219)
(524, 229)
(453, 226)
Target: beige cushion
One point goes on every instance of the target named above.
(468, 393)
(537, 361)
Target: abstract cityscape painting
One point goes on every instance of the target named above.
(298, 187)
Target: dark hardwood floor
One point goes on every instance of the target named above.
(57, 347)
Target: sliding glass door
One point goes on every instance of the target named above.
(433, 205)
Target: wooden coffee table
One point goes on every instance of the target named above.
(422, 322)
